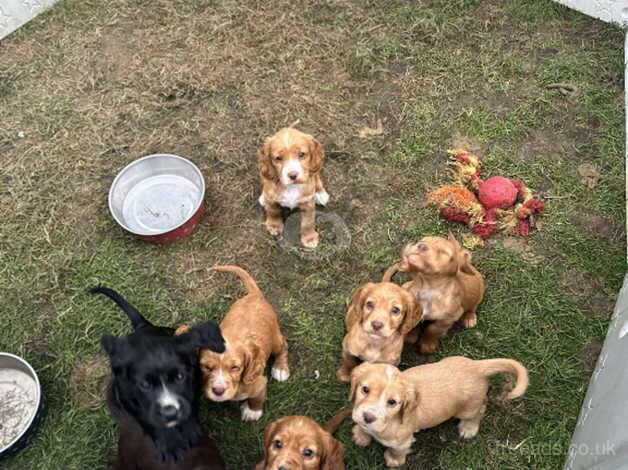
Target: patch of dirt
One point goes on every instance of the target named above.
(88, 382)
(584, 287)
(589, 174)
(589, 354)
(546, 143)
(520, 245)
(596, 225)
(459, 141)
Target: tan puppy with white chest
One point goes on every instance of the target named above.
(446, 284)
(379, 317)
(390, 405)
(252, 335)
(289, 166)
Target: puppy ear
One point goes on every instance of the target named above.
(410, 403)
(356, 376)
(413, 313)
(254, 364)
(403, 265)
(317, 155)
(115, 348)
(264, 162)
(333, 454)
(464, 261)
(356, 307)
(205, 335)
(269, 432)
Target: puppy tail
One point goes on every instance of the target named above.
(249, 282)
(509, 366)
(334, 423)
(137, 320)
(390, 272)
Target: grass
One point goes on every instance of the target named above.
(95, 84)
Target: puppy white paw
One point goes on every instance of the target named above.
(262, 200)
(393, 460)
(468, 429)
(248, 414)
(321, 198)
(280, 375)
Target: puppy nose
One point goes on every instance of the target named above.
(422, 247)
(369, 417)
(218, 390)
(283, 467)
(293, 175)
(169, 412)
(377, 325)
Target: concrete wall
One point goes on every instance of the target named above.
(15, 13)
(611, 11)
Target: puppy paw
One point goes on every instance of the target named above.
(248, 414)
(321, 198)
(274, 227)
(310, 240)
(280, 375)
(343, 376)
(262, 200)
(469, 320)
(393, 460)
(360, 438)
(468, 429)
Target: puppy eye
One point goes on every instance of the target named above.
(392, 402)
(365, 390)
(278, 158)
(144, 385)
(301, 155)
(395, 310)
(277, 444)
(179, 378)
(308, 453)
(235, 368)
(370, 305)
(422, 247)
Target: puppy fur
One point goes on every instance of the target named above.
(152, 395)
(446, 284)
(299, 443)
(390, 406)
(252, 334)
(289, 165)
(379, 317)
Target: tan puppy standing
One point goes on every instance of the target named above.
(299, 443)
(252, 335)
(390, 406)
(379, 317)
(289, 166)
(447, 285)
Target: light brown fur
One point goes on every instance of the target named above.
(290, 147)
(252, 335)
(287, 439)
(387, 306)
(398, 404)
(446, 284)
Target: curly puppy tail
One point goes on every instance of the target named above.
(390, 272)
(334, 423)
(495, 366)
(249, 282)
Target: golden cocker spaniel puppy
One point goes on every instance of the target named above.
(377, 321)
(252, 335)
(299, 443)
(446, 284)
(289, 165)
(390, 405)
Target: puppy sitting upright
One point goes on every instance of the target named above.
(390, 406)
(445, 282)
(152, 395)
(252, 334)
(379, 317)
(289, 166)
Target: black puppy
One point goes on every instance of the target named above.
(152, 393)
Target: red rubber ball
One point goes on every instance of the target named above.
(497, 192)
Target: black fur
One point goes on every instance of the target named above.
(144, 365)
